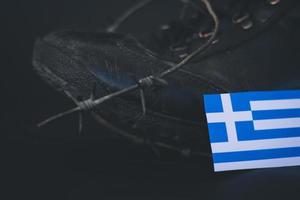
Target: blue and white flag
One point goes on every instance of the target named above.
(254, 129)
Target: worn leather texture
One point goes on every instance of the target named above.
(262, 58)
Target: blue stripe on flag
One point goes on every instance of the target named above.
(217, 132)
(268, 135)
(240, 101)
(245, 131)
(256, 155)
(275, 114)
(213, 103)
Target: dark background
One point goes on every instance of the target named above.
(55, 163)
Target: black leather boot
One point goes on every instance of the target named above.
(256, 47)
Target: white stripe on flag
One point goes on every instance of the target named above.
(268, 124)
(223, 117)
(223, 147)
(278, 162)
(275, 104)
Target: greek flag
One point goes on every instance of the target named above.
(254, 129)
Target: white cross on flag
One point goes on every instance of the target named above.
(254, 129)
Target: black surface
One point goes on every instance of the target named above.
(53, 164)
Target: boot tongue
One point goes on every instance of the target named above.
(179, 32)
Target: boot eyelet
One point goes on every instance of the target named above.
(238, 18)
(243, 20)
(247, 24)
(204, 34)
(273, 2)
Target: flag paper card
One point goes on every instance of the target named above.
(250, 130)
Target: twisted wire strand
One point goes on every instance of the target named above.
(113, 27)
(132, 10)
(149, 81)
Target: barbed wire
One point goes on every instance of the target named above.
(148, 81)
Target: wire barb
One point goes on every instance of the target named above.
(146, 82)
